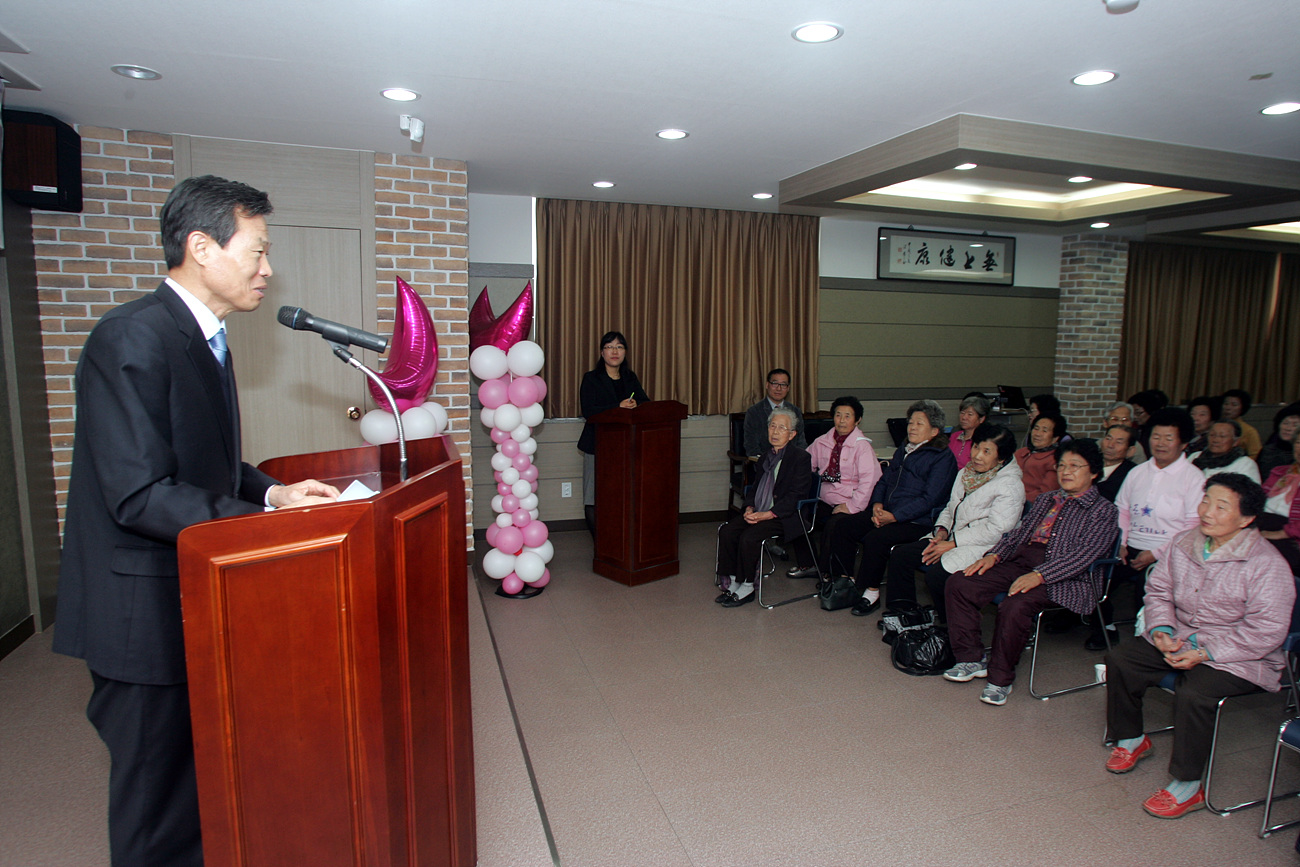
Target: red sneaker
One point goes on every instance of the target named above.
(1163, 806)
(1122, 761)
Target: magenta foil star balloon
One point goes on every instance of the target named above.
(412, 362)
(503, 332)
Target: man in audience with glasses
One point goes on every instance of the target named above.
(778, 394)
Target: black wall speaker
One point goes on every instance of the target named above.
(41, 161)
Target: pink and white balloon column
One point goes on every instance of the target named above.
(511, 394)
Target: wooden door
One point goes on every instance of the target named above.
(294, 395)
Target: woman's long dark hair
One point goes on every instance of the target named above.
(609, 337)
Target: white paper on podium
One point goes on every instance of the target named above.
(356, 491)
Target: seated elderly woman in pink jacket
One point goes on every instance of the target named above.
(847, 464)
(1218, 606)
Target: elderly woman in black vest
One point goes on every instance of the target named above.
(783, 478)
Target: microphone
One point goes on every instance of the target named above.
(300, 320)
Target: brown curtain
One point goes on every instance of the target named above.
(1281, 357)
(1196, 321)
(709, 300)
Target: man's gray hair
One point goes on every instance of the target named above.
(933, 412)
(789, 414)
(1118, 405)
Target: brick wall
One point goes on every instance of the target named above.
(1089, 328)
(422, 236)
(108, 254)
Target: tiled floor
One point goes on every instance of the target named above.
(664, 730)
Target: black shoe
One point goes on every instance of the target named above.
(862, 607)
(722, 597)
(734, 602)
(801, 572)
(1097, 642)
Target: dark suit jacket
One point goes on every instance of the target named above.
(793, 483)
(600, 393)
(156, 449)
(1110, 488)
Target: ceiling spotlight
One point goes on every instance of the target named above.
(1080, 179)
(672, 134)
(1096, 76)
(399, 94)
(965, 167)
(604, 185)
(817, 31)
(139, 73)
(1281, 108)
(1103, 225)
(1119, 7)
(762, 195)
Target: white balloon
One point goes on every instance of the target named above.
(534, 513)
(496, 504)
(532, 414)
(507, 417)
(417, 423)
(545, 550)
(528, 447)
(510, 475)
(488, 362)
(529, 567)
(504, 520)
(529, 502)
(521, 433)
(498, 564)
(487, 416)
(526, 358)
(440, 420)
(500, 463)
(520, 488)
(378, 427)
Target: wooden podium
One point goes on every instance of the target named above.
(328, 661)
(638, 461)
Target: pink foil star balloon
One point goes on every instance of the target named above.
(503, 332)
(412, 363)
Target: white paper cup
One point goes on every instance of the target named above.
(1100, 668)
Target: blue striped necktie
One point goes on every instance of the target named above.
(218, 344)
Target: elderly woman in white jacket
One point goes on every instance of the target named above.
(988, 498)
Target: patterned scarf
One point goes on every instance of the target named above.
(832, 472)
(971, 480)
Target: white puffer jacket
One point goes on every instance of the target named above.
(977, 520)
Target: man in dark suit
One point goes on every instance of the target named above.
(1117, 448)
(156, 449)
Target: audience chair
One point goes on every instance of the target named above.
(767, 558)
(1288, 735)
(815, 424)
(897, 430)
(740, 468)
(1108, 565)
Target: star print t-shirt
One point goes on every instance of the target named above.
(1155, 505)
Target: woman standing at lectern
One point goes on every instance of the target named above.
(609, 384)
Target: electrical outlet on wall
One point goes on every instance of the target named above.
(566, 489)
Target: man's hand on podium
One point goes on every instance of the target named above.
(308, 492)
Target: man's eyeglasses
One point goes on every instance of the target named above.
(778, 384)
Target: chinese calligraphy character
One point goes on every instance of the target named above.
(970, 260)
(923, 255)
(990, 261)
(947, 258)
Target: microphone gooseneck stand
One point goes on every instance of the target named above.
(346, 357)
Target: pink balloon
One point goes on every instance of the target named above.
(499, 436)
(522, 518)
(540, 385)
(493, 393)
(521, 462)
(503, 488)
(496, 474)
(510, 448)
(492, 532)
(533, 487)
(412, 364)
(512, 584)
(506, 330)
(509, 503)
(535, 533)
(529, 474)
(510, 540)
(544, 580)
(523, 392)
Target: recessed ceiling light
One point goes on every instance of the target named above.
(1080, 179)
(1281, 108)
(762, 195)
(1119, 7)
(399, 94)
(1100, 225)
(139, 73)
(672, 134)
(1096, 76)
(604, 185)
(817, 31)
(965, 167)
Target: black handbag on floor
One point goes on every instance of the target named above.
(838, 592)
(906, 617)
(922, 652)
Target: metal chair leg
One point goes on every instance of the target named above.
(1033, 667)
(761, 580)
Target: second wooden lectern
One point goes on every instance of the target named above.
(638, 462)
(328, 658)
